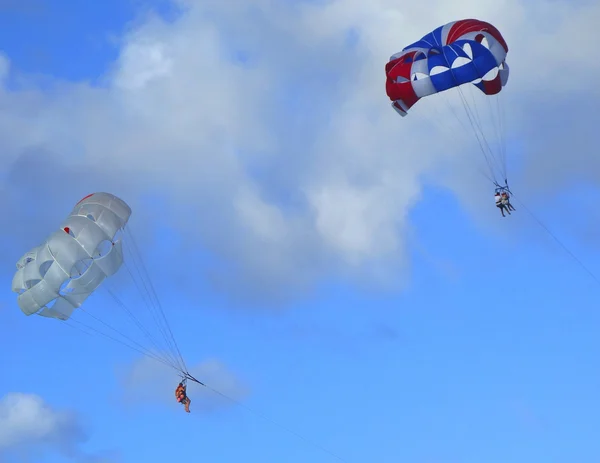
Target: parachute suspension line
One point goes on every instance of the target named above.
(471, 116)
(165, 328)
(166, 356)
(151, 310)
(166, 348)
(133, 318)
(436, 121)
(142, 287)
(70, 325)
(483, 143)
(108, 336)
(473, 121)
(168, 333)
(497, 133)
(442, 117)
(502, 136)
(139, 348)
(466, 129)
(477, 116)
(489, 163)
(501, 131)
(502, 116)
(137, 322)
(482, 140)
(553, 236)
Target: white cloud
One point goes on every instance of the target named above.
(29, 426)
(146, 381)
(290, 165)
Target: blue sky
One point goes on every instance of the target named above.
(445, 334)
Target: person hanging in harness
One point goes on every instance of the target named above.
(181, 395)
(506, 202)
(500, 205)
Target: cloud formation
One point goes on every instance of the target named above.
(265, 130)
(30, 427)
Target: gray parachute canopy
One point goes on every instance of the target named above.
(55, 278)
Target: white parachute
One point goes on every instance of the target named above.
(55, 279)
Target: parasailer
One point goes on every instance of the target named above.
(506, 201)
(500, 204)
(182, 397)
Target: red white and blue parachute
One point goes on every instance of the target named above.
(460, 52)
(457, 56)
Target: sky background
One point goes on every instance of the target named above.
(329, 265)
